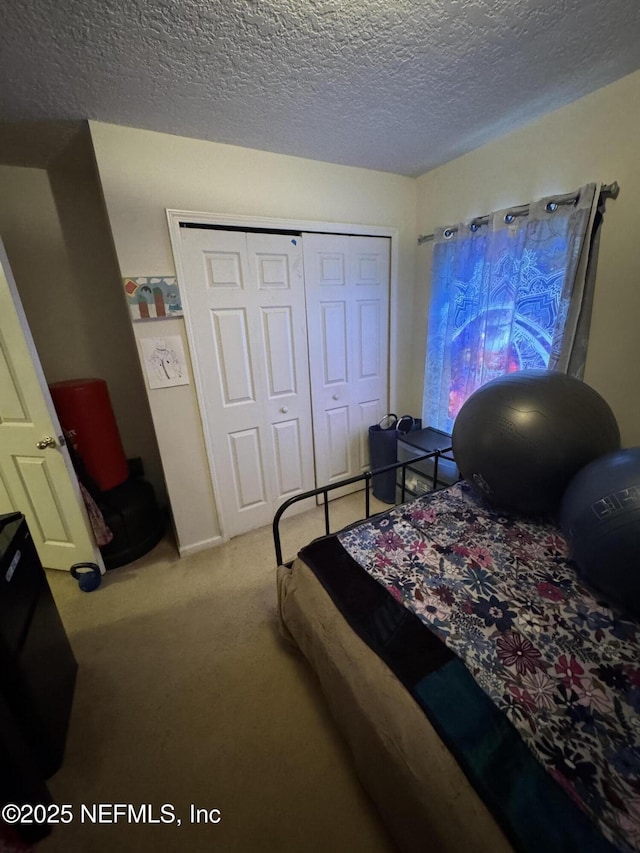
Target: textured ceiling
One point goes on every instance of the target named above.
(396, 85)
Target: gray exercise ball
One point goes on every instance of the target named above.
(519, 439)
(600, 516)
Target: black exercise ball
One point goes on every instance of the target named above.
(519, 439)
(600, 516)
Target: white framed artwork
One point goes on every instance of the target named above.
(164, 362)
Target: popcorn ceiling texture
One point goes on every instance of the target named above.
(396, 85)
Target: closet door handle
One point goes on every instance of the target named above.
(336, 396)
(284, 410)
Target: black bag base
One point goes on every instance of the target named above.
(383, 450)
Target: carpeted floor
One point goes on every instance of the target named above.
(186, 696)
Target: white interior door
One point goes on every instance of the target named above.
(244, 295)
(347, 287)
(39, 482)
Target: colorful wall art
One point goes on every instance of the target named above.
(153, 297)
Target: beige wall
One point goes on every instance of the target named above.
(57, 239)
(593, 139)
(144, 173)
(31, 232)
(110, 351)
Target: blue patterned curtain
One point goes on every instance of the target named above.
(507, 294)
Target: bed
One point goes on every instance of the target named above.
(489, 700)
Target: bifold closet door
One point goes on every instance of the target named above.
(347, 290)
(244, 296)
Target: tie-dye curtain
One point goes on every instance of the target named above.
(509, 292)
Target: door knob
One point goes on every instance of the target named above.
(336, 396)
(284, 410)
(47, 441)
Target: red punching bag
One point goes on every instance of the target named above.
(85, 413)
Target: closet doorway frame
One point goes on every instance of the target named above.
(249, 222)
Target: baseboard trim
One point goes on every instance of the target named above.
(186, 550)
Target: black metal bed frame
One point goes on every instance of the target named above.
(367, 476)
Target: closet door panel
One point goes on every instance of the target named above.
(278, 350)
(289, 447)
(338, 443)
(333, 344)
(234, 370)
(368, 414)
(369, 267)
(246, 459)
(276, 271)
(245, 304)
(347, 288)
(368, 346)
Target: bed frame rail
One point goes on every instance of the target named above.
(367, 477)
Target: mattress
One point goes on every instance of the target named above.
(443, 764)
(422, 795)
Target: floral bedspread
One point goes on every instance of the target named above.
(502, 593)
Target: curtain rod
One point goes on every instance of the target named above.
(606, 191)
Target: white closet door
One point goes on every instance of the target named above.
(244, 295)
(347, 287)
